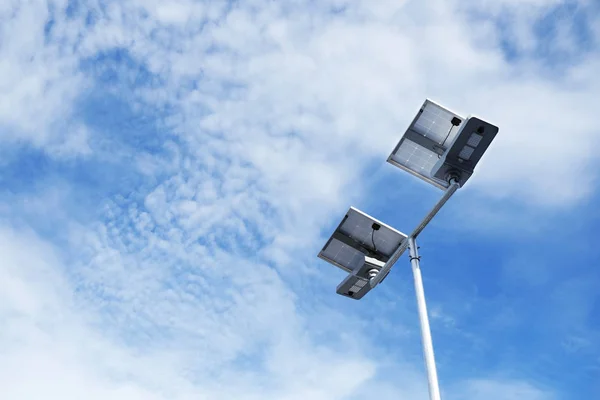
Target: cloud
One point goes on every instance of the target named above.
(39, 78)
(491, 389)
(52, 340)
(338, 83)
(230, 133)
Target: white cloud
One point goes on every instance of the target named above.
(502, 390)
(347, 83)
(276, 110)
(51, 339)
(39, 80)
(54, 340)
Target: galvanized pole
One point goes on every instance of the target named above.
(432, 378)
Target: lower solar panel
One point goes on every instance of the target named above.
(355, 237)
(342, 255)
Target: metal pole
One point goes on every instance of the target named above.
(390, 263)
(432, 378)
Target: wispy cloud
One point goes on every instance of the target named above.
(187, 160)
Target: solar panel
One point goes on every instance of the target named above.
(355, 237)
(426, 139)
(342, 255)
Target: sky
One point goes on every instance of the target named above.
(170, 170)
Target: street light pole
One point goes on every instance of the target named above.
(367, 265)
(411, 244)
(432, 378)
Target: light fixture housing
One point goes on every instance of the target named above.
(465, 151)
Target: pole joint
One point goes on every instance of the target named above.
(373, 273)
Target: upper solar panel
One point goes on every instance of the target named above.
(425, 141)
(358, 235)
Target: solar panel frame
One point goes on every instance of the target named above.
(356, 225)
(427, 138)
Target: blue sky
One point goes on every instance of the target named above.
(169, 172)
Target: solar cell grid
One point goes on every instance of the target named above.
(428, 136)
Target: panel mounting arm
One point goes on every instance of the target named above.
(396, 255)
